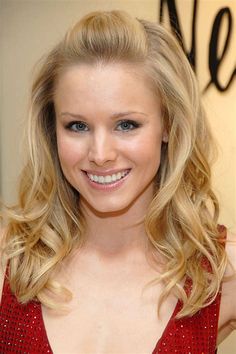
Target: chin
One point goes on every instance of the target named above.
(107, 209)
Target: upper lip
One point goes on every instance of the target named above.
(106, 173)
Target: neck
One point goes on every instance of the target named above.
(118, 233)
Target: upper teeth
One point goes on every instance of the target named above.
(109, 178)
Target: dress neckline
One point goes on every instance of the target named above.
(172, 316)
(174, 313)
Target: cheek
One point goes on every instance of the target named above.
(147, 149)
(69, 151)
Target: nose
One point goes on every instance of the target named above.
(102, 148)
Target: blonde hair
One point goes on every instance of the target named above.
(181, 222)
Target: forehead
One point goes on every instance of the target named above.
(102, 70)
(108, 81)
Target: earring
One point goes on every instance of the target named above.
(165, 138)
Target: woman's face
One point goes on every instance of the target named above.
(109, 134)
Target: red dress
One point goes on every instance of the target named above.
(22, 329)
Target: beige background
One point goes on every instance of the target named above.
(29, 28)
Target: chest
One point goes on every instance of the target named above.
(109, 319)
(98, 330)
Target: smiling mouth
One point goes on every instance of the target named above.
(108, 179)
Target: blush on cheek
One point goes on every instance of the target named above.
(68, 151)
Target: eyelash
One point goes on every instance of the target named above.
(134, 124)
(130, 122)
(70, 125)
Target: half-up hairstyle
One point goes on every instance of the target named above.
(181, 222)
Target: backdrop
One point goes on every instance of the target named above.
(207, 30)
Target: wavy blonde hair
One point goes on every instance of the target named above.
(181, 223)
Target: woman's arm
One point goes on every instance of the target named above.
(227, 320)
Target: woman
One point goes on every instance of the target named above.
(114, 245)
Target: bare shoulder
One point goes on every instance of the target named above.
(227, 320)
(229, 285)
(231, 253)
(2, 258)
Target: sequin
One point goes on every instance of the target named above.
(191, 335)
(22, 329)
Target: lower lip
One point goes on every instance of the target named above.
(106, 187)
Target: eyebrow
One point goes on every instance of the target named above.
(113, 116)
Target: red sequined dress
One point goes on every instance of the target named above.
(22, 328)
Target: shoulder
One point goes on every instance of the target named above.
(2, 258)
(227, 320)
(230, 247)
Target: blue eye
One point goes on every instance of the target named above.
(127, 125)
(77, 126)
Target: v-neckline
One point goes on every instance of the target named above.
(175, 311)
